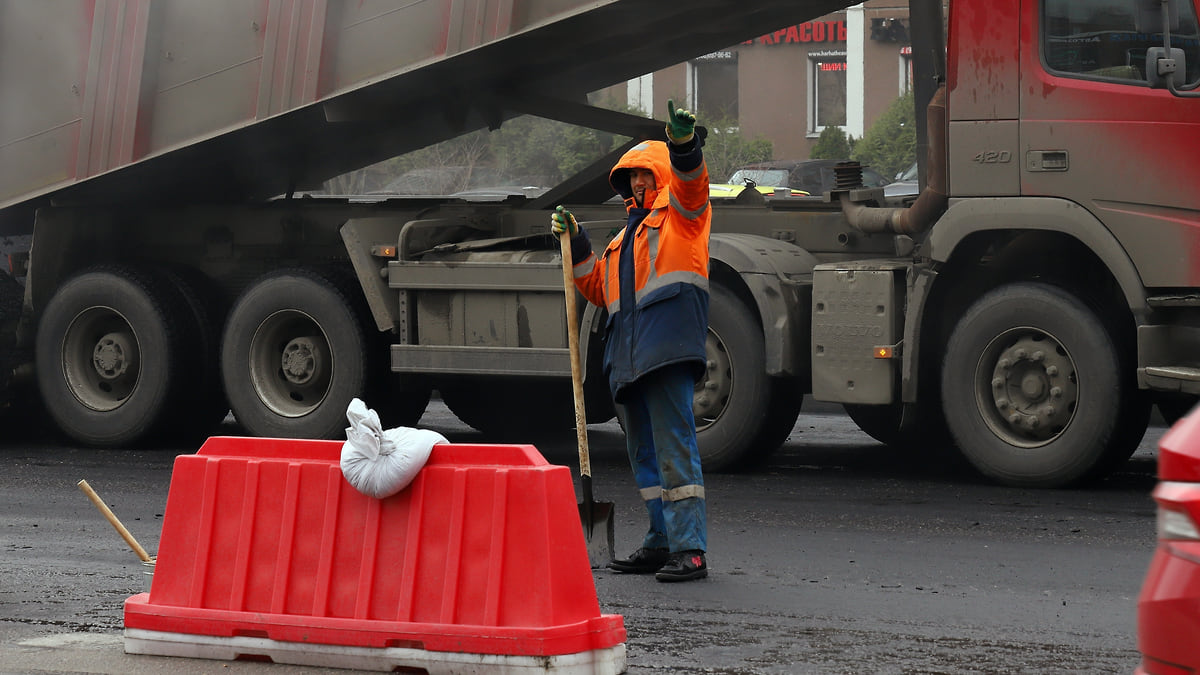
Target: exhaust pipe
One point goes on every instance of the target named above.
(932, 200)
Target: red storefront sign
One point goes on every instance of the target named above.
(811, 31)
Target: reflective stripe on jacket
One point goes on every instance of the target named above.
(658, 305)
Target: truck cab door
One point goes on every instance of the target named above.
(1093, 130)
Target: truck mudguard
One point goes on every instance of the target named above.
(779, 277)
(967, 217)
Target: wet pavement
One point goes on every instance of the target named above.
(837, 556)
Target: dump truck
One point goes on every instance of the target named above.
(1027, 308)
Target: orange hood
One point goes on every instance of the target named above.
(652, 155)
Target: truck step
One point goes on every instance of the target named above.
(1182, 379)
(1174, 372)
(1174, 300)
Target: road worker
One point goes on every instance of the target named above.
(653, 280)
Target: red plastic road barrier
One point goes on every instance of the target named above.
(266, 549)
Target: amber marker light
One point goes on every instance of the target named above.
(383, 251)
(883, 352)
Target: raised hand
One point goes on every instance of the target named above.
(681, 124)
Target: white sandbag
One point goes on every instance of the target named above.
(379, 462)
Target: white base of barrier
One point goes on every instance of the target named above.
(610, 661)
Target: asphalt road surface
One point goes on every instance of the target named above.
(838, 556)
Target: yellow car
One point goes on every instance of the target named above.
(731, 191)
(808, 176)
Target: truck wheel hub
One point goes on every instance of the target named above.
(111, 357)
(300, 361)
(712, 393)
(1033, 388)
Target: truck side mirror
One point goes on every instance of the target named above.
(1160, 67)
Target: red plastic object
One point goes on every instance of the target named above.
(483, 553)
(1179, 450)
(1169, 602)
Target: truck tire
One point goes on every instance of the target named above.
(110, 351)
(206, 310)
(402, 399)
(510, 411)
(1132, 423)
(925, 432)
(1032, 388)
(11, 297)
(881, 422)
(1174, 406)
(736, 417)
(295, 352)
(785, 399)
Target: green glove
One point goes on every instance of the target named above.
(563, 221)
(681, 124)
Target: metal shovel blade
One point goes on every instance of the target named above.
(598, 527)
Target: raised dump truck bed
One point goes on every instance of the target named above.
(143, 100)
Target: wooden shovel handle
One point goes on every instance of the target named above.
(585, 463)
(112, 519)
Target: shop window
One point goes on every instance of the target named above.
(716, 87)
(827, 91)
(1108, 39)
(906, 70)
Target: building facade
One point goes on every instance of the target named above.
(843, 69)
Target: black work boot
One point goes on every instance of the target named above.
(643, 561)
(683, 566)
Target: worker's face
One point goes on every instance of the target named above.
(641, 180)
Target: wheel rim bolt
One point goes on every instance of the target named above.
(997, 382)
(1052, 370)
(1039, 355)
(1056, 392)
(1002, 403)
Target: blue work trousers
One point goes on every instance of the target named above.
(660, 436)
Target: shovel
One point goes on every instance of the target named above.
(597, 516)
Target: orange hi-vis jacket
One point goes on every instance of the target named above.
(653, 276)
